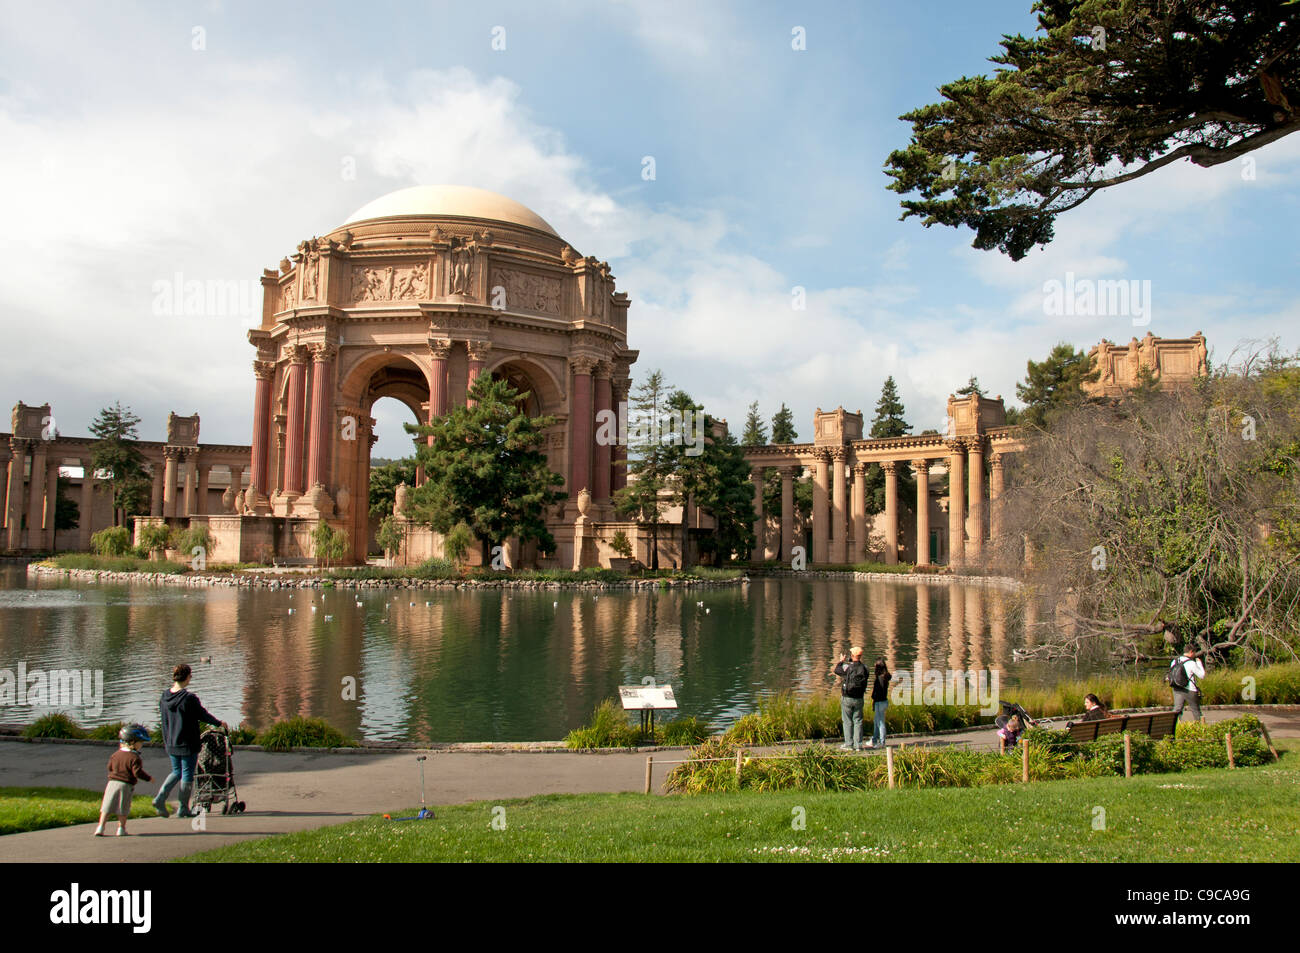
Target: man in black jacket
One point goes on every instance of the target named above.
(181, 714)
(853, 686)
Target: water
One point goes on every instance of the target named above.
(487, 665)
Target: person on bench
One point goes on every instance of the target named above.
(1094, 710)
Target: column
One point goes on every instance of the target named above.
(48, 535)
(759, 551)
(839, 512)
(261, 477)
(618, 456)
(600, 477)
(201, 501)
(191, 478)
(439, 352)
(236, 482)
(975, 461)
(86, 522)
(821, 508)
(956, 504)
(14, 496)
(156, 495)
(478, 351)
(995, 495)
(922, 469)
(891, 511)
(580, 432)
(169, 482)
(860, 532)
(296, 427)
(6, 455)
(322, 419)
(787, 513)
(36, 496)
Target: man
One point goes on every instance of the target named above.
(1183, 673)
(853, 686)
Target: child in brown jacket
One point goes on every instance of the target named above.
(125, 767)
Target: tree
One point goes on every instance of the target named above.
(783, 426)
(389, 536)
(1104, 93)
(67, 512)
(1053, 383)
(485, 467)
(116, 455)
(384, 480)
(649, 488)
(755, 434)
(331, 544)
(972, 387)
(1166, 518)
(887, 423)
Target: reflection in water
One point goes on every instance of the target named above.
(460, 665)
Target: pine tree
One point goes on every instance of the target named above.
(783, 426)
(647, 465)
(486, 467)
(1054, 382)
(888, 423)
(972, 387)
(889, 420)
(755, 434)
(115, 453)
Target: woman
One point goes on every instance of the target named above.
(879, 702)
(181, 714)
(1094, 710)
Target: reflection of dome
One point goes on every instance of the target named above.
(449, 201)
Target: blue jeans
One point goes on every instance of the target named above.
(183, 766)
(851, 715)
(878, 730)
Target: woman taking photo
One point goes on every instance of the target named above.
(181, 714)
(879, 703)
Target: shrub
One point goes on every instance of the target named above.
(303, 733)
(56, 725)
(609, 728)
(1108, 751)
(243, 735)
(105, 732)
(153, 538)
(457, 542)
(196, 536)
(112, 541)
(621, 545)
(686, 730)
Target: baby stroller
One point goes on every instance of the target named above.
(1010, 737)
(214, 776)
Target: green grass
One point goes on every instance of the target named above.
(117, 563)
(35, 809)
(1248, 815)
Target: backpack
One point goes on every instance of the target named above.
(855, 679)
(1177, 676)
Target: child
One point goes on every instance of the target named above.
(125, 767)
(1009, 732)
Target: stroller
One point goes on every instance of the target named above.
(1008, 736)
(214, 776)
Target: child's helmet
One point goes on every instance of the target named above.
(133, 732)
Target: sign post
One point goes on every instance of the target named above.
(647, 699)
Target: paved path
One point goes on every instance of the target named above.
(293, 792)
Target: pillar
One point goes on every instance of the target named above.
(169, 482)
(156, 495)
(580, 432)
(860, 531)
(922, 468)
(14, 495)
(36, 496)
(839, 512)
(439, 352)
(618, 457)
(48, 535)
(975, 461)
(821, 508)
(236, 480)
(996, 486)
(759, 552)
(297, 424)
(956, 504)
(6, 455)
(190, 460)
(787, 512)
(891, 511)
(201, 501)
(478, 351)
(261, 477)
(601, 477)
(87, 516)
(322, 417)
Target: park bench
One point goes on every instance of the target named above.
(1158, 725)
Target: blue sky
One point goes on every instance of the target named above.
(131, 156)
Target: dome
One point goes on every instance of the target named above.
(450, 201)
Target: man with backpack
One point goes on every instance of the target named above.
(853, 686)
(1182, 675)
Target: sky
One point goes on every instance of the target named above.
(150, 142)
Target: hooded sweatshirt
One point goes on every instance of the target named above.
(181, 714)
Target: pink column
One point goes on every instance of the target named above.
(956, 504)
(169, 482)
(297, 423)
(439, 351)
(580, 431)
(322, 358)
(839, 512)
(891, 511)
(51, 503)
(261, 474)
(602, 451)
(996, 483)
(14, 497)
(759, 552)
(975, 469)
(618, 455)
(477, 351)
(922, 468)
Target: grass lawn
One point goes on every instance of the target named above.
(1248, 815)
(34, 809)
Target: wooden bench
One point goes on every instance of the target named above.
(1159, 724)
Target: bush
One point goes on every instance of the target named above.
(1198, 745)
(1108, 751)
(609, 728)
(105, 732)
(194, 537)
(243, 735)
(153, 538)
(303, 733)
(686, 730)
(112, 541)
(56, 725)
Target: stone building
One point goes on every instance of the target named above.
(1174, 362)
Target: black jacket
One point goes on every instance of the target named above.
(181, 714)
(880, 687)
(843, 669)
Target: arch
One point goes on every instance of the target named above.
(400, 374)
(545, 388)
